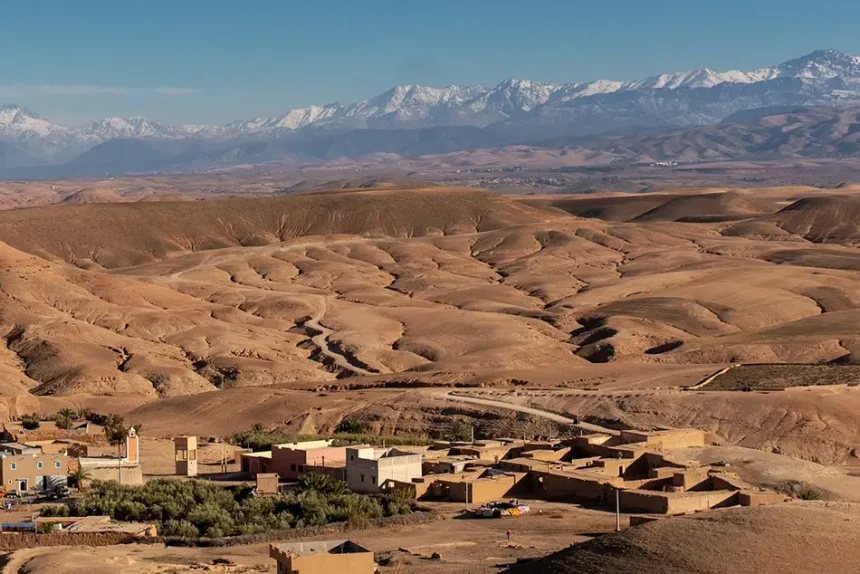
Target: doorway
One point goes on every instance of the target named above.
(22, 485)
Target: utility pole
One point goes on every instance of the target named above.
(617, 510)
(223, 458)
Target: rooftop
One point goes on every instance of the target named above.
(316, 547)
(307, 445)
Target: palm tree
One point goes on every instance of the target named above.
(68, 413)
(322, 483)
(79, 475)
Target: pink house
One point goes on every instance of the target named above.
(289, 460)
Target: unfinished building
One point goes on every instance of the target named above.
(369, 469)
(185, 455)
(322, 557)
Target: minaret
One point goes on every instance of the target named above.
(132, 447)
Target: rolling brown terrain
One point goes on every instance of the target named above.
(767, 539)
(297, 310)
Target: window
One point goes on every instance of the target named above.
(57, 464)
(12, 465)
(372, 479)
(362, 478)
(39, 465)
(293, 467)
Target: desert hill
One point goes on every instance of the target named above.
(790, 537)
(92, 195)
(683, 206)
(820, 219)
(119, 235)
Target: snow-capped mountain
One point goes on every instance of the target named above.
(138, 127)
(517, 108)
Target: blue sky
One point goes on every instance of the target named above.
(195, 61)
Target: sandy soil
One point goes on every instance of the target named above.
(465, 545)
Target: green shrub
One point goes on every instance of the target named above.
(46, 528)
(399, 501)
(30, 422)
(351, 426)
(809, 493)
(180, 528)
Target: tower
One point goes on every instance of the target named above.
(132, 447)
(185, 448)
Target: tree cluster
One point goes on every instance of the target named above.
(200, 508)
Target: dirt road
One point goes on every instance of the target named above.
(321, 341)
(455, 396)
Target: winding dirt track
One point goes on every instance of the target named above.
(321, 341)
(454, 396)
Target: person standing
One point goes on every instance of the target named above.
(508, 535)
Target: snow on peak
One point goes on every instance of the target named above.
(822, 65)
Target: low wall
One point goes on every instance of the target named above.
(16, 541)
(483, 489)
(675, 502)
(752, 498)
(568, 486)
(131, 475)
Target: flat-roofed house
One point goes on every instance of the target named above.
(290, 460)
(25, 472)
(368, 468)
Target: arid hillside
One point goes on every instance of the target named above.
(119, 235)
(144, 306)
(765, 539)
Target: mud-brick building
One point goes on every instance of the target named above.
(323, 557)
(25, 472)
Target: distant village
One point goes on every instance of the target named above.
(627, 472)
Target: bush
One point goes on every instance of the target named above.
(399, 501)
(180, 528)
(351, 426)
(63, 422)
(809, 493)
(30, 422)
(46, 528)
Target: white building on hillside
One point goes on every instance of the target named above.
(368, 468)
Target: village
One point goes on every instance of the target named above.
(631, 474)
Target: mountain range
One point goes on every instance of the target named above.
(412, 120)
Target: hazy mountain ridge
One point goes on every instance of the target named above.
(514, 112)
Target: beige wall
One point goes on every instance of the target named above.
(752, 498)
(26, 467)
(358, 563)
(483, 489)
(675, 503)
(131, 473)
(267, 483)
(558, 485)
